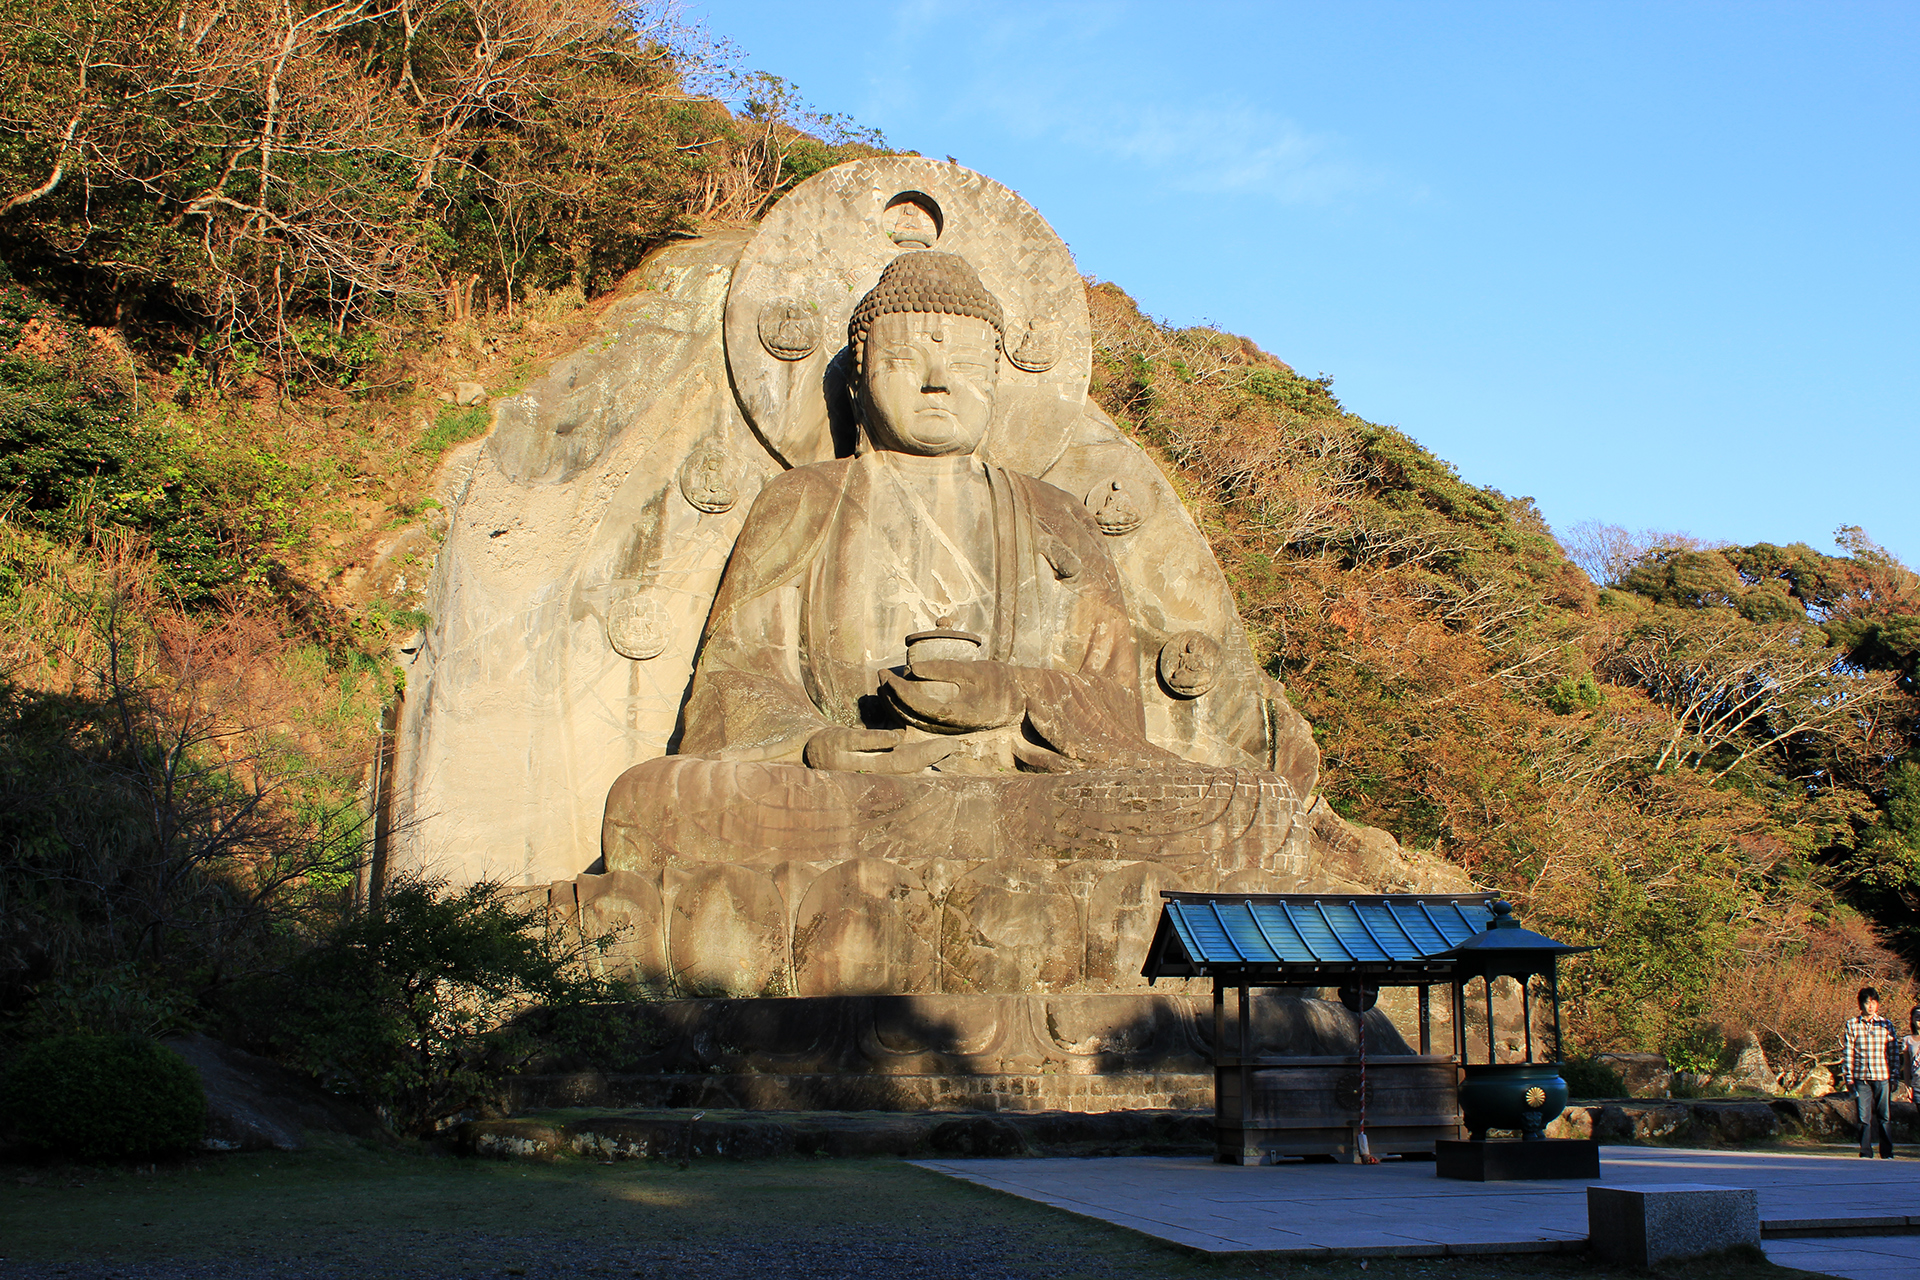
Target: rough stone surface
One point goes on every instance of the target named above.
(1734, 1123)
(468, 394)
(1666, 1222)
(852, 1090)
(1821, 1117)
(1647, 1075)
(254, 1104)
(1751, 1070)
(1574, 1122)
(568, 533)
(640, 616)
(823, 247)
(1838, 1116)
(1641, 1124)
(1818, 1084)
(1731, 1122)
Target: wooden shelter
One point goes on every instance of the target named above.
(1275, 1105)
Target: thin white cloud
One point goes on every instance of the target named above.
(1228, 148)
(1046, 74)
(1045, 71)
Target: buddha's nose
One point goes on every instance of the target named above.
(936, 375)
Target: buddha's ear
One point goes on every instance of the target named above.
(843, 404)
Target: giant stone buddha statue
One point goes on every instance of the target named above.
(818, 725)
(884, 666)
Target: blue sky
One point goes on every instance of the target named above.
(1651, 264)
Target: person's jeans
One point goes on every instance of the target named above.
(1874, 1100)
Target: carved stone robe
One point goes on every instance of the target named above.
(840, 561)
(837, 563)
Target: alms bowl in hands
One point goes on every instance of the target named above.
(942, 644)
(949, 696)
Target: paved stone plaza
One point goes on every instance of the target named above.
(1401, 1208)
(1851, 1257)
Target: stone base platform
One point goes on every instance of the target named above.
(747, 1091)
(652, 1134)
(1645, 1225)
(1040, 1052)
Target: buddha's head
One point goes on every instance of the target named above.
(926, 356)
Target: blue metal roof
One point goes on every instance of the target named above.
(1316, 935)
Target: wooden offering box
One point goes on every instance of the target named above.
(1308, 1106)
(1266, 1105)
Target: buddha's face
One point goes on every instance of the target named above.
(927, 385)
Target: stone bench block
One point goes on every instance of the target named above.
(1663, 1221)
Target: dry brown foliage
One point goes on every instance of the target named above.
(1472, 693)
(178, 789)
(1794, 998)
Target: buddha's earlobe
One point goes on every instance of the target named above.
(861, 444)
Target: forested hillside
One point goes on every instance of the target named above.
(247, 246)
(247, 252)
(1701, 757)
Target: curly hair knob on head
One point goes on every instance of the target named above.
(928, 282)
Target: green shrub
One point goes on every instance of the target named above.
(78, 458)
(414, 1006)
(1312, 397)
(1702, 1049)
(1591, 1078)
(102, 1098)
(1691, 1084)
(58, 435)
(454, 425)
(1569, 695)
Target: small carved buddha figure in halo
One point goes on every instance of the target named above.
(915, 654)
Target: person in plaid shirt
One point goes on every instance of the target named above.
(1867, 1063)
(1910, 1054)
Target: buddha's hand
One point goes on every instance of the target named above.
(958, 697)
(873, 751)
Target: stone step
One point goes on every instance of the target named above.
(659, 1134)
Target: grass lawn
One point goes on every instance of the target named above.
(349, 1210)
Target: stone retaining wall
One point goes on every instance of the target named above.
(685, 1134)
(998, 1091)
(641, 1135)
(1731, 1122)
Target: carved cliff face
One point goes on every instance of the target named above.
(589, 535)
(928, 383)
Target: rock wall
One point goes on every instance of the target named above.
(519, 711)
(1728, 1122)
